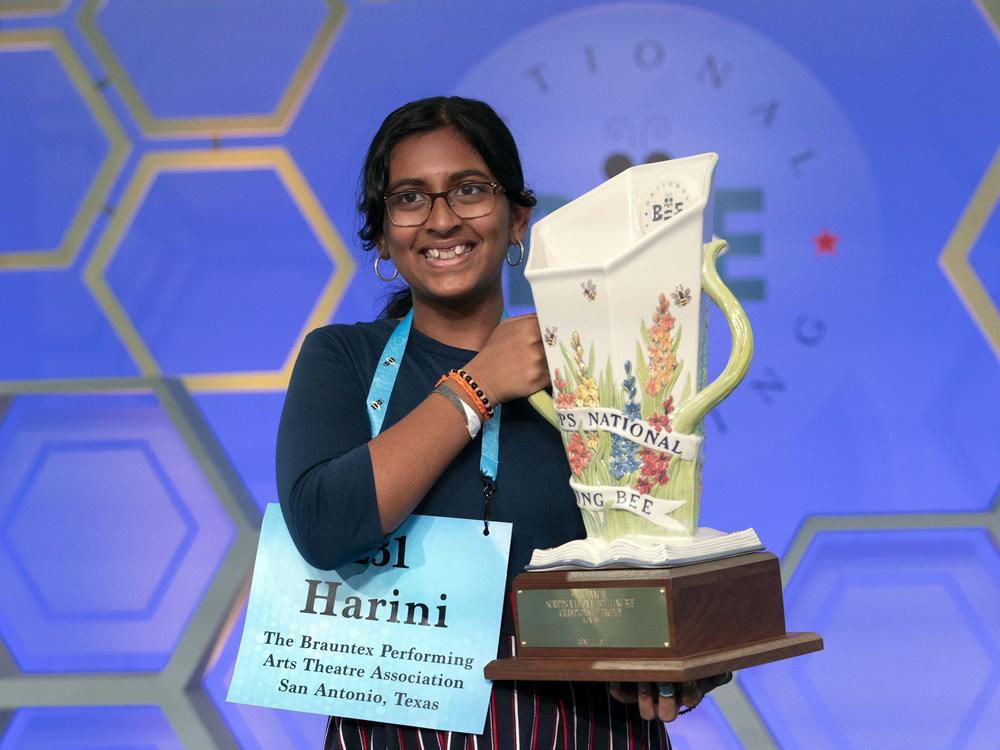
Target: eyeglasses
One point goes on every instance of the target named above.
(470, 200)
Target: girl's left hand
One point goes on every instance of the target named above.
(664, 701)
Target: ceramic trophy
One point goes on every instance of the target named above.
(621, 279)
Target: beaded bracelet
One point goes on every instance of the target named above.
(476, 390)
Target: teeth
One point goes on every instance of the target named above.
(446, 253)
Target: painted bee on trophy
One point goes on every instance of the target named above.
(589, 290)
(550, 335)
(681, 295)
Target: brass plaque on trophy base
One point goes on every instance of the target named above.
(593, 617)
(650, 624)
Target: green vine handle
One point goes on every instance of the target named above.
(545, 406)
(694, 409)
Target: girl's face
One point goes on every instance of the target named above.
(470, 252)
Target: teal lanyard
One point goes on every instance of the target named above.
(378, 404)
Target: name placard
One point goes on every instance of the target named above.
(401, 636)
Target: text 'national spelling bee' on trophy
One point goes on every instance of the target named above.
(618, 277)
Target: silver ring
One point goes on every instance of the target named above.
(666, 689)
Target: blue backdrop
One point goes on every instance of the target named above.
(177, 182)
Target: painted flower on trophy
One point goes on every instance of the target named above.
(565, 399)
(662, 422)
(578, 363)
(586, 389)
(653, 471)
(586, 393)
(579, 455)
(662, 349)
(644, 396)
(623, 450)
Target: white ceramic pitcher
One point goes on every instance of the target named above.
(617, 276)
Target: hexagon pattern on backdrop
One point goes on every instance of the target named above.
(72, 143)
(229, 414)
(253, 727)
(108, 531)
(182, 275)
(40, 527)
(16, 8)
(172, 270)
(225, 41)
(970, 255)
(105, 727)
(984, 258)
(210, 263)
(901, 612)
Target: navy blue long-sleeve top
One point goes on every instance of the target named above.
(325, 479)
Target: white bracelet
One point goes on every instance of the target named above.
(472, 421)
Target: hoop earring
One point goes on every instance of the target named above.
(520, 256)
(395, 272)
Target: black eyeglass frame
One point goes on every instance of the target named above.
(494, 186)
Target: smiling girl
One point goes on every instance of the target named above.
(444, 204)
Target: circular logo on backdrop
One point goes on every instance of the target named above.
(592, 92)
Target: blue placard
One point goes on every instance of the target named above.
(401, 636)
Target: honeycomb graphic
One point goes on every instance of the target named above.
(954, 258)
(81, 96)
(274, 122)
(20, 8)
(173, 693)
(276, 162)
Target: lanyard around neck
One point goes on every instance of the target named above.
(381, 389)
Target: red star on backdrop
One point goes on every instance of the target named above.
(826, 243)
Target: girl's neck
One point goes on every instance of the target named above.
(461, 326)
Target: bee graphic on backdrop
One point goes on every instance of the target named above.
(550, 335)
(681, 295)
(589, 290)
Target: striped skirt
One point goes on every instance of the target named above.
(521, 716)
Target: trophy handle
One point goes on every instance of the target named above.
(695, 408)
(544, 405)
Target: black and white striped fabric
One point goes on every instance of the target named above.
(521, 716)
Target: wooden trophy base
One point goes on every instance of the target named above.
(650, 625)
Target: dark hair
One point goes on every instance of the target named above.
(473, 120)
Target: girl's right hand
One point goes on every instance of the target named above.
(511, 363)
